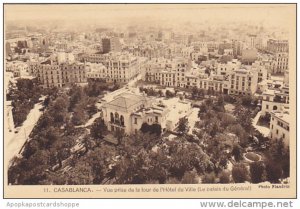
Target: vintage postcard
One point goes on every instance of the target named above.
(149, 100)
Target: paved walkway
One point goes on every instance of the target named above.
(90, 121)
(193, 118)
(263, 130)
(15, 143)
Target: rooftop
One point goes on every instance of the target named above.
(126, 102)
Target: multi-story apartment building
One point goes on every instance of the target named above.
(106, 45)
(280, 63)
(275, 100)
(277, 46)
(226, 68)
(167, 77)
(280, 126)
(153, 67)
(121, 68)
(212, 83)
(18, 68)
(51, 73)
(96, 71)
(181, 67)
(263, 73)
(243, 82)
(167, 72)
(115, 44)
(93, 58)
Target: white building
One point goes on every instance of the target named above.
(18, 68)
(226, 68)
(127, 112)
(63, 57)
(280, 126)
(243, 82)
(280, 63)
(274, 100)
(96, 71)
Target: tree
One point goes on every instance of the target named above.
(119, 134)
(240, 173)
(237, 152)
(277, 149)
(98, 128)
(257, 170)
(59, 110)
(224, 177)
(81, 174)
(30, 148)
(286, 164)
(183, 126)
(151, 129)
(79, 116)
(240, 132)
(274, 172)
(76, 95)
(169, 94)
(194, 92)
(209, 178)
(160, 93)
(203, 109)
(226, 119)
(189, 178)
(158, 167)
(246, 100)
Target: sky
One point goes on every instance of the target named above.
(275, 15)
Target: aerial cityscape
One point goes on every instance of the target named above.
(145, 94)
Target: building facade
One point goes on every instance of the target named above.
(52, 74)
(243, 82)
(280, 126)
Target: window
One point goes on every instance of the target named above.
(156, 119)
(276, 131)
(267, 106)
(122, 120)
(135, 120)
(112, 117)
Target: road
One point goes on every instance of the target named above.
(15, 143)
(193, 118)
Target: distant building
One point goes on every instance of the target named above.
(63, 57)
(252, 41)
(277, 46)
(115, 44)
(52, 74)
(263, 73)
(18, 68)
(96, 71)
(106, 45)
(280, 63)
(8, 51)
(226, 68)
(237, 47)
